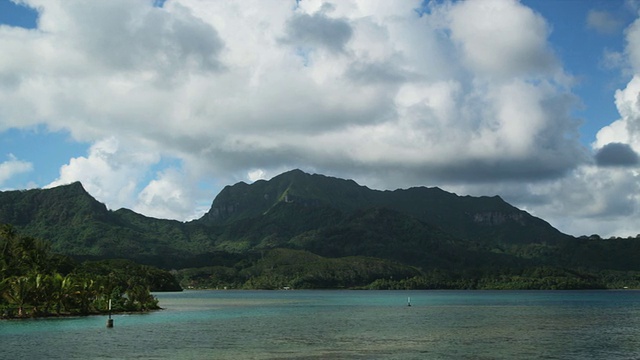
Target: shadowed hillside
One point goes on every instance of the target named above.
(298, 217)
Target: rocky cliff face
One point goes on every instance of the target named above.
(495, 218)
(222, 211)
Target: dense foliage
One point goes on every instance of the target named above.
(296, 269)
(312, 231)
(282, 268)
(36, 282)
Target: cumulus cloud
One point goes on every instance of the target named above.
(588, 200)
(168, 197)
(511, 44)
(455, 93)
(604, 199)
(460, 93)
(12, 167)
(110, 172)
(135, 36)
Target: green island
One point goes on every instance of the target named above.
(64, 253)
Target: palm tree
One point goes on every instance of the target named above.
(19, 292)
(45, 290)
(57, 282)
(85, 292)
(66, 298)
(4, 287)
(7, 243)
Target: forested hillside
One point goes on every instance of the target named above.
(303, 230)
(36, 282)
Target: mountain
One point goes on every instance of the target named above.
(285, 230)
(80, 226)
(487, 219)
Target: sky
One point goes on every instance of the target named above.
(157, 105)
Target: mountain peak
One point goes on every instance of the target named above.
(292, 172)
(75, 186)
(241, 201)
(466, 217)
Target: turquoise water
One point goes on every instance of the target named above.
(346, 325)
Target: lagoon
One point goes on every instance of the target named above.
(343, 324)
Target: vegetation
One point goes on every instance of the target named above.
(297, 269)
(280, 268)
(311, 231)
(35, 282)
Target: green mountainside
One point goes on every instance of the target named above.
(304, 230)
(488, 219)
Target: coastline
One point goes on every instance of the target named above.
(74, 315)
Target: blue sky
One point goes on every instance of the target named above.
(156, 105)
(580, 47)
(17, 15)
(44, 149)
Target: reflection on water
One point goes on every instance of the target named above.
(346, 325)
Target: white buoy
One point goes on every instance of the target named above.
(110, 320)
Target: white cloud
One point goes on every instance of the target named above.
(110, 172)
(255, 175)
(502, 38)
(358, 83)
(12, 167)
(462, 94)
(592, 200)
(626, 130)
(168, 197)
(605, 200)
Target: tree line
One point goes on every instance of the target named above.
(35, 282)
(299, 269)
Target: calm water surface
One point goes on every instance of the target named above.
(346, 325)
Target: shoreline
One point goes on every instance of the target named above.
(72, 315)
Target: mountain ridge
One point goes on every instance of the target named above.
(238, 201)
(338, 223)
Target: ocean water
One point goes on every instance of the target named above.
(346, 325)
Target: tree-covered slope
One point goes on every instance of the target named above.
(304, 216)
(78, 225)
(488, 219)
(243, 201)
